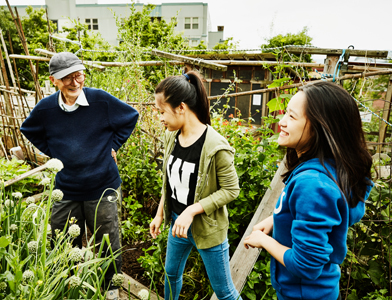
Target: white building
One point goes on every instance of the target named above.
(192, 18)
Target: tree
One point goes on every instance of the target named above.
(296, 39)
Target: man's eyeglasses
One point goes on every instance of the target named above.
(69, 79)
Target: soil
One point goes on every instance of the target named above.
(130, 265)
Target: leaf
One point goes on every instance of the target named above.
(5, 241)
(375, 272)
(250, 294)
(279, 82)
(275, 104)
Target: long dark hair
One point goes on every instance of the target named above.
(189, 89)
(335, 135)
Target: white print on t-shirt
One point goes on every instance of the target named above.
(177, 184)
(279, 208)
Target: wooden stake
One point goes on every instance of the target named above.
(19, 28)
(7, 58)
(385, 116)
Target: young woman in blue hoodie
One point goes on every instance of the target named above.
(326, 185)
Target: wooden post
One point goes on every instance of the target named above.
(243, 260)
(385, 115)
(330, 63)
(264, 108)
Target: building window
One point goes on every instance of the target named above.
(195, 23)
(158, 19)
(92, 24)
(191, 23)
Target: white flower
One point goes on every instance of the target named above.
(55, 165)
(3, 286)
(57, 195)
(28, 275)
(74, 230)
(30, 200)
(75, 255)
(45, 181)
(32, 205)
(118, 279)
(17, 195)
(74, 281)
(49, 229)
(9, 203)
(13, 227)
(32, 246)
(143, 294)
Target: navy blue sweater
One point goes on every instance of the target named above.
(82, 140)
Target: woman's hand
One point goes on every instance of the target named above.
(265, 226)
(185, 219)
(255, 239)
(155, 225)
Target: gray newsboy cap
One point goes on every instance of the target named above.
(63, 64)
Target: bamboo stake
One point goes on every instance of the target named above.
(19, 28)
(51, 47)
(7, 58)
(20, 90)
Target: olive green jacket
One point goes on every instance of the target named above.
(217, 185)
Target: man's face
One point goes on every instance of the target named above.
(70, 86)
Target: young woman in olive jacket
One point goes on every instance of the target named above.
(199, 180)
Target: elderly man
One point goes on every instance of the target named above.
(83, 127)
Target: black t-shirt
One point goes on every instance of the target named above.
(182, 170)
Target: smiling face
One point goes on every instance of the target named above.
(173, 119)
(295, 132)
(71, 91)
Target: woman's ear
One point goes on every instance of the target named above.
(182, 108)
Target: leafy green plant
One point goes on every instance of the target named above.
(29, 267)
(368, 264)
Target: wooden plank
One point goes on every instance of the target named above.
(134, 287)
(191, 61)
(24, 175)
(338, 52)
(266, 63)
(243, 260)
(30, 57)
(385, 115)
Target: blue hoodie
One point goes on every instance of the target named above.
(312, 218)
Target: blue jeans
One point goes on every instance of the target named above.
(216, 262)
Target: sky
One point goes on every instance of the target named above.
(365, 24)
